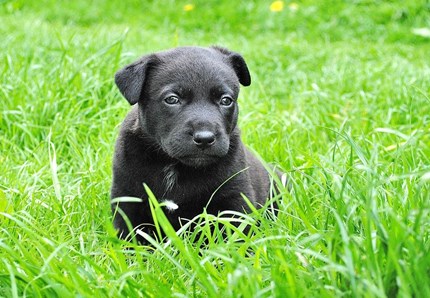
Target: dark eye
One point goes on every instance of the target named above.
(171, 100)
(226, 101)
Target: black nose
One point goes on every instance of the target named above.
(203, 139)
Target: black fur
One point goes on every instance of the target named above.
(184, 150)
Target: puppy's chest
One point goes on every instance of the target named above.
(182, 186)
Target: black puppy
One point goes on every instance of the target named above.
(181, 138)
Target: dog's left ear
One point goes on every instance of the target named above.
(238, 64)
(131, 79)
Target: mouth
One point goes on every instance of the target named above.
(192, 156)
(198, 161)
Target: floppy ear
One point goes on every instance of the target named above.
(131, 79)
(238, 64)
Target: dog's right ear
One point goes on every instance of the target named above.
(131, 79)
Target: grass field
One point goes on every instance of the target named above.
(340, 100)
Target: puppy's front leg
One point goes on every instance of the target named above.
(132, 212)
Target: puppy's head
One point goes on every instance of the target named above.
(187, 99)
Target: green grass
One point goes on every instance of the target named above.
(340, 100)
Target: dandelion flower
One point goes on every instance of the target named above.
(188, 7)
(277, 6)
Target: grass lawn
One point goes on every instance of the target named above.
(340, 100)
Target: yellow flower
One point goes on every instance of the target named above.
(277, 6)
(188, 7)
(293, 6)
